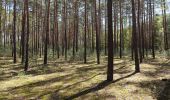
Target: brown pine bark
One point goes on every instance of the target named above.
(85, 32)
(115, 26)
(139, 30)
(65, 29)
(0, 22)
(27, 37)
(153, 30)
(56, 31)
(105, 33)
(110, 42)
(14, 31)
(121, 28)
(135, 37)
(47, 33)
(97, 35)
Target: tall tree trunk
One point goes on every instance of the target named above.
(4, 27)
(77, 26)
(23, 35)
(14, 32)
(85, 31)
(115, 26)
(92, 18)
(97, 36)
(56, 26)
(74, 30)
(47, 33)
(105, 27)
(121, 29)
(110, 42)
(139, 29)
(27, 37)
(153, 31)
(65, 28)
(143, 31)
(0, 22)
(135, 37)
(165, 25)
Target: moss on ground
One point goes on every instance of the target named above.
(74, 80)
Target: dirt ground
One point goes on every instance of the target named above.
(74, 80)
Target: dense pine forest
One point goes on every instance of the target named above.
(84, 50)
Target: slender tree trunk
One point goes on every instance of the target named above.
(139, 29)
(110, 42)
(97, 36)
(153, 31)
(105, 27)
(85, 30)
(143, 31)
(23, 36)
(5, 15)
(99, 27)
(14, 31)
(74, 31)
(77, 26)
(135, 37)
(92, 18)
(115, 27)
(165, 25)
(56, 26)
(65, 27)
(47, 33)
(121, 31)
(0, 22)
(27, 37)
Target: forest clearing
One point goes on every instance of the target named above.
(84, 50)
(69, 80)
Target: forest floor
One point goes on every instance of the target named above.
(73, 80)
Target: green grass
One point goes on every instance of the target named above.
(74, 80)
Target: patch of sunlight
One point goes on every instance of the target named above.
(46, 97)
(128, 92)
(138, 78)
(28, 80)
(50, 86)
(118, 61)
(71, 78)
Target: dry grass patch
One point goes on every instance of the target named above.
(74, 80)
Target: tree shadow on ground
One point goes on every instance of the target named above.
(30, 86)
(40, 69)
(160, 88)
(10, 71)
(41, 83)
(53, 94)
(159, 69)
(36, 69)
(165, 94)
(77, 71)
(100, 86)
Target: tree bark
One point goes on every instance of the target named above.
(27, 37)
(97, 36)
(47, 33)
(110, 42)
(85, 31)
(135, 37)
(14, 31)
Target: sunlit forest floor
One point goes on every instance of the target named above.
(74, 80)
